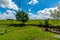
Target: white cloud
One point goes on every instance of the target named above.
(46, 10)
(8, 4)
(38, 16)
(29, 10)
(33, 2)
(9, 15)
(42, 14)
(10, 12)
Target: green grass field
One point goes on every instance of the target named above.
(26, 33)
(51, 22)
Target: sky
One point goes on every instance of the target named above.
(36, 9)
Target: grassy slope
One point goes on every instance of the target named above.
(26, 33)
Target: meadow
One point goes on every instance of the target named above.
(42, 22)
(26, 32)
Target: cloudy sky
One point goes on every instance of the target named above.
(36, 9)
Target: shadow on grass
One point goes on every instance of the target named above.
(17, 25)
(21, 25)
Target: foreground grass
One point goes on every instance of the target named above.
(26, 33)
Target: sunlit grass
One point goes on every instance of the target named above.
(26, 33)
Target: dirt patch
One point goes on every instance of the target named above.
(57, 36)
(53, 30)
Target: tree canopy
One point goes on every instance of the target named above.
(22, 16)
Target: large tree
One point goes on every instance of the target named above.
(56, 13)
(22, 16)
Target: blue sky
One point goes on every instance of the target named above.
(40, 5)
(34, 8)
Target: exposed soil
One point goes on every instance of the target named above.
(54, 30)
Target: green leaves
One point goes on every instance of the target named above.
(22, 16)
